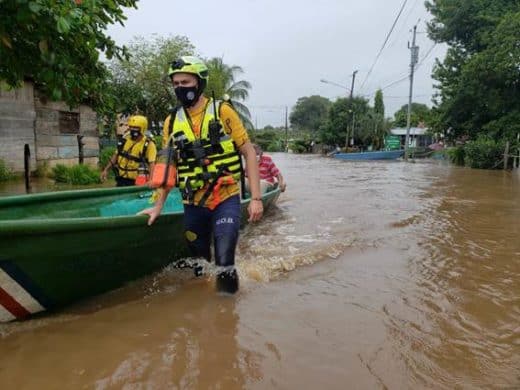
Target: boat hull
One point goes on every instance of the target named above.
(50, 262)
(376, 155)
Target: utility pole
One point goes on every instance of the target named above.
(352, 86)
(286, 132)
(352, 110)
(414, 51)
(353, 121)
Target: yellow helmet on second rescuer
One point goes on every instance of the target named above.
(138, 121)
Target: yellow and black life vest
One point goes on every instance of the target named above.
(205, 159)
(131, 156)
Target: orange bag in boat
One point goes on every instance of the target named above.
(141, 180)
(163, 175)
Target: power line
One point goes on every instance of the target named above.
(404, 78)
(395, 82)
(400, 97)
(426, 55)
(403, 26)
(384, 43)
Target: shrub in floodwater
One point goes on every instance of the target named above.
(299, 146)
(274, 147)
(76, 174)
(42, 170)
(105, 155)
(484, 153)
(456, 155)
(5, 172)
(269, 141)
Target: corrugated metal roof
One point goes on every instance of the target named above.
(413, 131)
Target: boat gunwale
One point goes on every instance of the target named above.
(20, 200)
(11, 227)
(357, 156)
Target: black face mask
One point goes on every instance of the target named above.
(188, 96)
(135, 134)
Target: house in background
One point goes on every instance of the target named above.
(50, 129)
(419, 136)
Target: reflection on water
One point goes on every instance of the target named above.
(366, 275)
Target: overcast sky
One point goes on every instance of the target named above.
(286, 46)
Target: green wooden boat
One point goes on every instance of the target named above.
(59, 247)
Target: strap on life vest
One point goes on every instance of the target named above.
(171, 155)
(128, 156)
(223, 180)
(173, 114)
(212, 185)
(242, 180)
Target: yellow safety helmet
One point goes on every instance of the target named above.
(138, 121)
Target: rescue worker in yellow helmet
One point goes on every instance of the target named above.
(135, 154)
(209, 139)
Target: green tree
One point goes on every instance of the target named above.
(269, 138)
(377, 136)
(467, 24)
(57, 44)
(339, 120)
(223, 81)
(379, 105)
(310, 112)
(420, 113)
(141, 83)
(479, 79)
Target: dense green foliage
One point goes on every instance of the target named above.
(300, 145)
(309, 113)
(484, 152)
(5, 172)
(379, 105)
(222, 81)
(140, 83)
(105, 154)
(457, 155)
(376, 137)
(342, 114)
(365, 124)
(76, 174)
(58, 44)
(269, 139)
(479, 80)
(420, 113)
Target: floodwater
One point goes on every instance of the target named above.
(368, 275)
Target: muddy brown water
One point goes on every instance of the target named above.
(368, 275)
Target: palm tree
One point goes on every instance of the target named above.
(222, 82)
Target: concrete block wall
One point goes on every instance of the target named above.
(17, 116)
(27, 117)
(54, 147)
